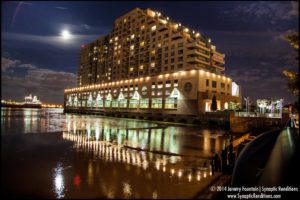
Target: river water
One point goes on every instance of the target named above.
(49, 154)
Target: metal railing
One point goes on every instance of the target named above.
(255, 114)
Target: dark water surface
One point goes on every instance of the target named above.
(48, 154)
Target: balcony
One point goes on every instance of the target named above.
(197, 45)
(176, 36)
(218, 57)
(194, 60)
(196, 52)
(219, 67)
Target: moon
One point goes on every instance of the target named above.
(66, 34)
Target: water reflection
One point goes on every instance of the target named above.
(59, 185)
(153, 138)
(30, 120)
(119, 158)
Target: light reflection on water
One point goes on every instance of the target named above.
(152, 137)
(121, 158)
(59, 182)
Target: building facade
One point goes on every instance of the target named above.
(150, 64)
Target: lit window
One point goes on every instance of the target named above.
(152, 64)
(133, 103)
(168, 85)
(153, 28)
(116, 38)
(123, 103)
(142, 44)
(156, 103)
(153, 52)
(141, 67)
(131, 69)
(171, 103)
(131, 47)
(144, 103)
(119, 62)
(142, 27)
(159, 45)
(115, 103)
(132, 36)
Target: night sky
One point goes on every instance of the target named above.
(36, 59)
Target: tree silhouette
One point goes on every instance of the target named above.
(293, 77)
(213, 106)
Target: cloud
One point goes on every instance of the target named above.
(8, 64)
(61, 8)
(87, 27)
(265, 11)
(75, 40)
(28, 66)
(47, 84)
(22, 2)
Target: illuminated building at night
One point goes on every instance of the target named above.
(150, 64)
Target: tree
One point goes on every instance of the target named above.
(293, 77)
(213, 106)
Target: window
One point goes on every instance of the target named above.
(168, 92)
(223, 85)
(175, 83)
(153, 28)
(180, 59)
(180, 44)
(114, 103)
(144, 103)
(107, 103)
(214, 84)
(123, 103)
(156, 103)
(207, 83)
(171, 103)
(133, 103)
(180, 51)
(168, 84)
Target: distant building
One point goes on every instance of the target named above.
(148, 63)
